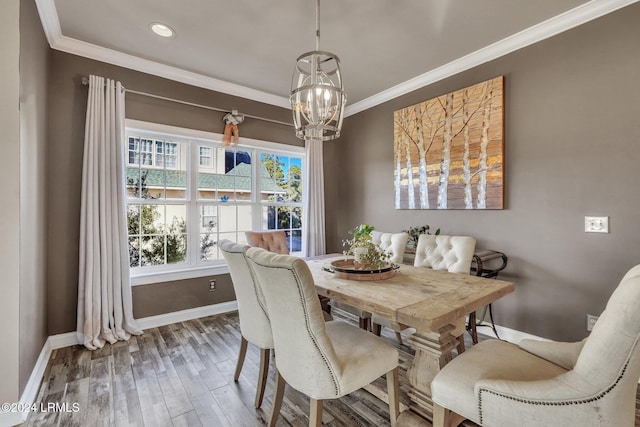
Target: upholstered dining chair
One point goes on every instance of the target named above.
(541, 383)
(254, 323)
(276, 241)
(273, 241)
(394, 244)
(451, 253)
(322, 360)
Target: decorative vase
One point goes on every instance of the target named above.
(359, 254)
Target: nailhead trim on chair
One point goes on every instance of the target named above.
(306, 317)
(258, 292)
(549, 403)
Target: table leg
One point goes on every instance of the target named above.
(433, 352)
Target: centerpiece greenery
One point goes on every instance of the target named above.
(415, 232)
(368, 255)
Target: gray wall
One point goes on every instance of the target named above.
(67, 106)
(34, 56)
(10, 212)
(572, 148)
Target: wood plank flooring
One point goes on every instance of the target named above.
(182, 375)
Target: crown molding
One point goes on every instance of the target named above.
(549, 28)
(110, 56)
(49, 19)
(57, 41)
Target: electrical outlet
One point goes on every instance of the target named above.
(596, 224)
(591, 321)
(212, 285)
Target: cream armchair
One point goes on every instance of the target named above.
(254, 323)
(589, 383)
(322, 360)
(451, 253)
(392, 243)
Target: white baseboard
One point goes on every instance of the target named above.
(184, 315)
(30, 392)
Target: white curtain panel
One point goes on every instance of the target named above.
(105, 309)
(313, 187)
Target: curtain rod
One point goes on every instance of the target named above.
(85, 82)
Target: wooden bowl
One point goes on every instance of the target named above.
(345, 269)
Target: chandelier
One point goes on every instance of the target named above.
(317, 96)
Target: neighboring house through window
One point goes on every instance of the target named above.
(206, 156)
(185, 192)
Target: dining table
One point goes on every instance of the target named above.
(434, 302)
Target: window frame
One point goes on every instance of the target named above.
(193, 267)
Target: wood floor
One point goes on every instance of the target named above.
(182, 375)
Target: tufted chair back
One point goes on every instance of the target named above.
(451, 253)
(393, 243)
(254, 323)
(298, 325)
(272, 241)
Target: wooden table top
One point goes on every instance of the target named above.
(422, 298)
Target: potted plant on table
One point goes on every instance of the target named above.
(415, 232)
(367, 255)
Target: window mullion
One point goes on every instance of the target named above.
(193, 228)
(256, 217)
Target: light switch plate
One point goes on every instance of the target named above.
(596, 224)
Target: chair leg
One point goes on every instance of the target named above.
(241, 355)
(471, 327)
(315, 416)
(443, 417)
(460, 346)
(278, 394)
(393, 393)
(376, 328)
(364, 323)
(399, 337)
(262, 376)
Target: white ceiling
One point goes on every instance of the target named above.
(248, 48)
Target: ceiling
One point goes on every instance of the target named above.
(248, 48)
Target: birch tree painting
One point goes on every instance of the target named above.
(449, 150)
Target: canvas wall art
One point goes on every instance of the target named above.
(449, 150)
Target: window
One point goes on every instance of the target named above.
(142, 150)
(186, 192)
(282, 202)
(205, 156)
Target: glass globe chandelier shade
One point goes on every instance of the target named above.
(317, 95)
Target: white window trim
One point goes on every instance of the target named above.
(184, 271)
(149, 278)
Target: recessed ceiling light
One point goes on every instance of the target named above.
(162, 30)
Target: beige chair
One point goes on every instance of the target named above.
(273, 241)
(589, 383)
(392, 243)
(254, 323)
(451, 253)
(322, 360)
(276, 241)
